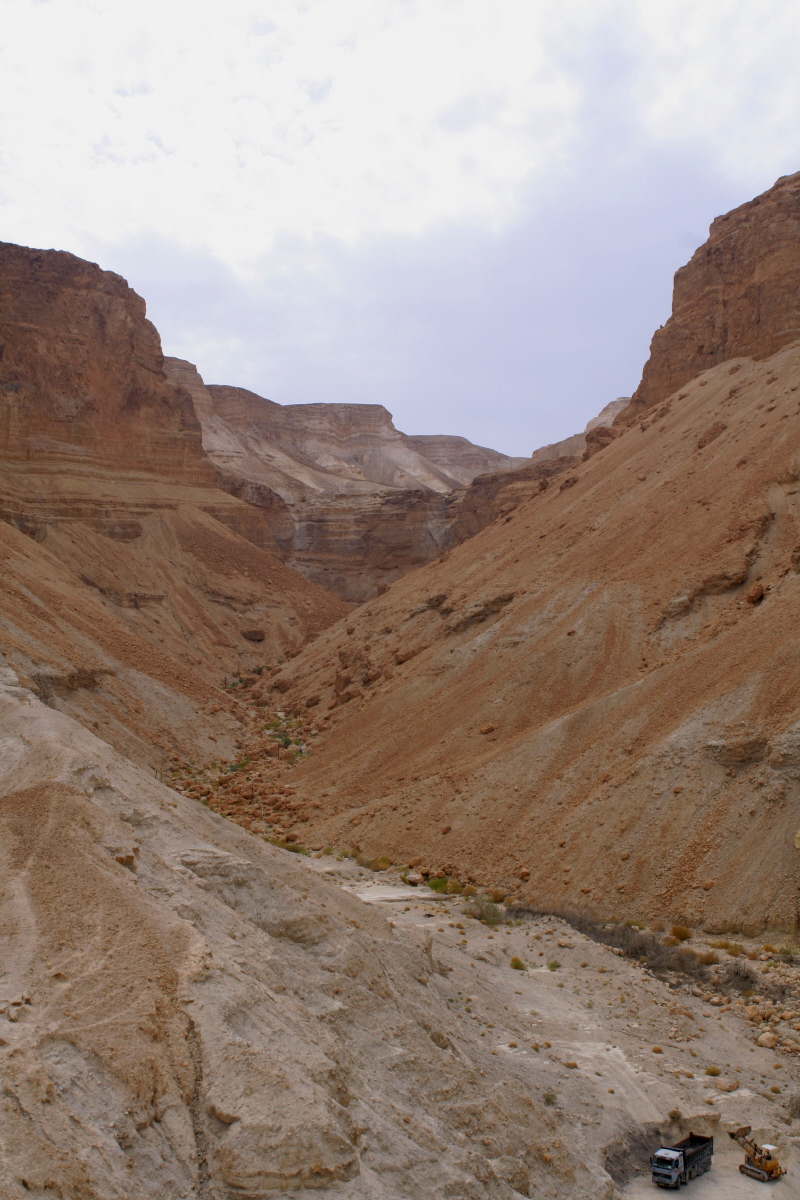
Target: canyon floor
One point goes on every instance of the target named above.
(581, 1036)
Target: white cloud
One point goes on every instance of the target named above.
(225, 124)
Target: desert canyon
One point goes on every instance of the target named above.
(381, 816)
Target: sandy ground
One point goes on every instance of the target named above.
(602, 1014)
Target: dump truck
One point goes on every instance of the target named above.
(673, 1165)
(760, 1162)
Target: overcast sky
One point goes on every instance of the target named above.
(467, 210)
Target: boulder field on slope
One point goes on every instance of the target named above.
(353, 503)
(202, 1016)
(131, 584)
(594, 701)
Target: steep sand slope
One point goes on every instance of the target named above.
(590, 702)
(186, 1011)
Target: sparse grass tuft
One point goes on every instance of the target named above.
(554, 965)
(733, 948)
(454, 888)
(549, 1098)
(484, 910)
(707, 957)
(292, 846)
(681, 933)
(381, 863)
(469, 890)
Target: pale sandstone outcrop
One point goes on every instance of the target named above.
(186, 1012)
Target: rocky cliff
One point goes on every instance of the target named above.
(738, 295)
(132, 584)
(353, 503)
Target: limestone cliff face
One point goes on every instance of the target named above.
(353, 503)
(737, 296)
(140, 584)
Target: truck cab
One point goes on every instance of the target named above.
(667, 1167)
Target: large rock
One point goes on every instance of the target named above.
(737, 296)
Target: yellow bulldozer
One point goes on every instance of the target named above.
(760, 1162)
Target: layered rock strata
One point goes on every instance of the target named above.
(737, 296)
(132, 584)
(353, 503)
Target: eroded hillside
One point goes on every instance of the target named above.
(595, 700)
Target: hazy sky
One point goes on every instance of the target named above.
(467, 210)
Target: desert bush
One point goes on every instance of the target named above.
(707, 957)
(639, 944)
(713, 1071)
(454, 888)
(439, 884)
(496, 896)
(292, 846)
(553, 965)
(517, 964)
(483, 909)
(674, 1114)
(381, 863)
(671, 941)
(681, 933)
(469, 890)
(549, 1098)
(733, 948)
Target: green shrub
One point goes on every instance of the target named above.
(439, 884)
(553, 965)
(517, 964)
(454, 888)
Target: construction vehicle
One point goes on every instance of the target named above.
(760, 1162)
(673, 1165)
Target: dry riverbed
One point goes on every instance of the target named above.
(621, 1055)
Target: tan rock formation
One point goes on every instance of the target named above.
(738, 295)
(353, 503)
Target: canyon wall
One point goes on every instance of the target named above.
(594, 701)
(738, 295)
(132, 584)
(353, 503)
